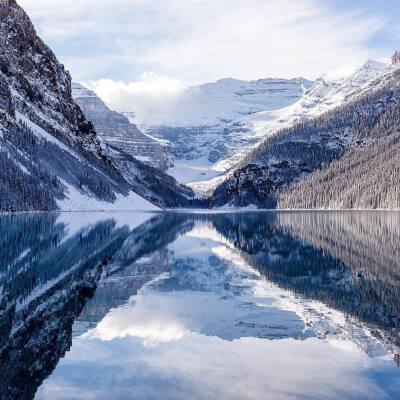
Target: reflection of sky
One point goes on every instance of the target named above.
(196, 334)
(202, 367)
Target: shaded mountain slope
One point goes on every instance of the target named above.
(50, 155)
(363, 178)
(140, 158)
(294, 153)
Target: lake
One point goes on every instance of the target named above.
(257, 305)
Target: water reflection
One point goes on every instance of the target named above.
(207, 306)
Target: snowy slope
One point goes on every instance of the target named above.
(79, 199)
(51, 155)
(211, 127)
(76, 201)
(325, 94)
(225, 100)
(201, 123)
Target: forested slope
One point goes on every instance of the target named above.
(360, 131)
(368, 178)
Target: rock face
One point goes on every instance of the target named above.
(368, 117)
(5, 97)
(396, 58)
(47, 145)
(115, 130)
(40, 85)
(50, 155)
(140, 158)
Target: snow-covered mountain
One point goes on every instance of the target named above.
(50, 154)
(203, 124)
(213, 126)
(325, 94)
(331, 120)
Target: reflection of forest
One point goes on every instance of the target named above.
(348, 261)
(47, 277)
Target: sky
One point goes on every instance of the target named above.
(159, 47)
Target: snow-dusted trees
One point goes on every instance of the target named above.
(365, 132)
(367, 177)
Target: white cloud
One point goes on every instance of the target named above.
(150, 91)
(201, 40)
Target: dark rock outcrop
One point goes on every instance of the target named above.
(41, 85)
(5, 97)
(396, 58)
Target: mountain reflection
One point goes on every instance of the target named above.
(68, 275)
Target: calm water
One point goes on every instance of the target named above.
(302, 305)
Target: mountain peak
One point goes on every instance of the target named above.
(373, 64)
(79, 91)
(396, 58)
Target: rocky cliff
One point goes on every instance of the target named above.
(40, 85)
(115, 130)
(50, 154)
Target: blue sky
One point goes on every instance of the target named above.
(158, 46)
(386, 40)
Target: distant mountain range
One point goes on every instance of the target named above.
(210, 126)
(332, 143)
(213, 126)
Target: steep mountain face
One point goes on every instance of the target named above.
(47, 147)
(41, 87)
(50, 155)
(115, 130)
(140, 158)
(294, 153)
(396, 58)
(206, 124)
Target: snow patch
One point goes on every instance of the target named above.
(78, 201)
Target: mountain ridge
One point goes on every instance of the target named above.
(50, 153)
(302, 149)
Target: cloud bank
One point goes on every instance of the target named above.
(201, 40)
(137, 51)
